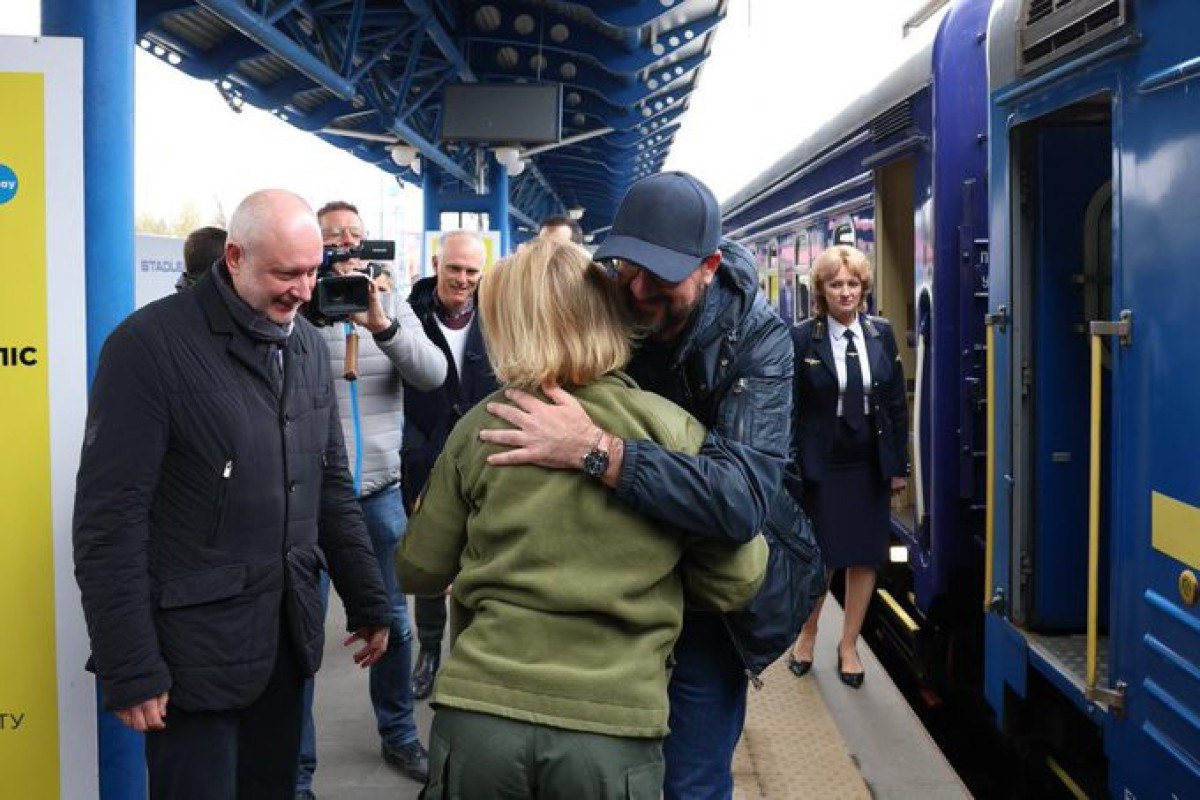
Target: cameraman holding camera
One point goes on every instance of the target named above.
(376, 351)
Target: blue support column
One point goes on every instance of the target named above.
(432, 212)
(498, 210)
(108, 31)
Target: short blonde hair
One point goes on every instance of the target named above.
(827, 265)
(549, 313)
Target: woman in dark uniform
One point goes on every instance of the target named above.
(851, 439)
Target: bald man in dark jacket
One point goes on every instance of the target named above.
(212, 493)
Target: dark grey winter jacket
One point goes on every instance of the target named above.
(733, 372)
(206, 506)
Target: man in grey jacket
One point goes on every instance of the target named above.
(392, 349)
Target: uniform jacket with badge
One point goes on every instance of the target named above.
(817, 397)
(429, 416)
(209, 498)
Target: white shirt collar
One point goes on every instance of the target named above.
(837, 330)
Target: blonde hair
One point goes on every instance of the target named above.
(827, 265)
(549, 313)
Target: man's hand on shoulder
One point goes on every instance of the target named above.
(375, 644)
(148, 715)
(557, 434)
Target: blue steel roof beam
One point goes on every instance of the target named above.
(594, 50)
(268, 101)
(192, 60)
(624, 140)
(256, 28)
(685, 34)
(610, 88)
(412, 37)
(390, 45)
(369, 37)
(541, 178)
(630, 136)
(410, 67)
(625, 14)
(600, 171)
(599, 51)
(425, 95)
(280, 11)
(442, 39)
(595, 105)
(527, 194)
(350, 43)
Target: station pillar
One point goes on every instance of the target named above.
(498, 208)
(109, 34)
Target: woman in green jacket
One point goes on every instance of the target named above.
(565, 603)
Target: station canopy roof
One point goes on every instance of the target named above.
(369, 76)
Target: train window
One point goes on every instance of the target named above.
(844, 234)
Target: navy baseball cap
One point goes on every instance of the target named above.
(667, 223)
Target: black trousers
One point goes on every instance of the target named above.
(430, 616)
(248, 754)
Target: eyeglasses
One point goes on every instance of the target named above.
(337, 231)
(623, 270)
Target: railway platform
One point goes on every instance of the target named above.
(810, 738)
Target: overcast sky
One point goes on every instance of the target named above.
(778, 69)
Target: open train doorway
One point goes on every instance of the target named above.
(895, 249)
(1062, 274)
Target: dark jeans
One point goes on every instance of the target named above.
(430, 616)
(248, 754)
(708, 708)
(390, 681)
(483, 757)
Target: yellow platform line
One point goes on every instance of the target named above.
(791, 747)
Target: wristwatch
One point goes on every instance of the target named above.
(595, 463)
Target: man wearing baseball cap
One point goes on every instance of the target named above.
(716, 348)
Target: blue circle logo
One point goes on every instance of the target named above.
(8, 183)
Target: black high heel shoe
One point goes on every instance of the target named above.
(852, 679)
(798, 667)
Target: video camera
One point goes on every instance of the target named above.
(336, 297)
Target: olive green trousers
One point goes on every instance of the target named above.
(483, 757)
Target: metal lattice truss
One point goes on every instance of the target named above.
(368, 75)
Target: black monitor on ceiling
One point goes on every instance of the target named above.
(502, 113)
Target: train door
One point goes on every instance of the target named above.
(787, 277)
(895, 247)
(772, 288)
(1062, 276)
(803, 264)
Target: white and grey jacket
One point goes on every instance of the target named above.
(383, 367)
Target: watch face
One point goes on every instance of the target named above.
(595, 463)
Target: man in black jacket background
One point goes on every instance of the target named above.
(212, 492)
(445, 304)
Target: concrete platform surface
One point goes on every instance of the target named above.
(804, 738)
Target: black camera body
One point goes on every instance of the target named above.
(336, 297)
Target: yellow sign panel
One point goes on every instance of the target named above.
(28, 677)
(1175, 529)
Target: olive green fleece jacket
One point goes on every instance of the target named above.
(571, 603)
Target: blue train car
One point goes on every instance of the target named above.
(901, 174)
(1092, 630)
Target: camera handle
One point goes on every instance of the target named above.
(351, 372)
